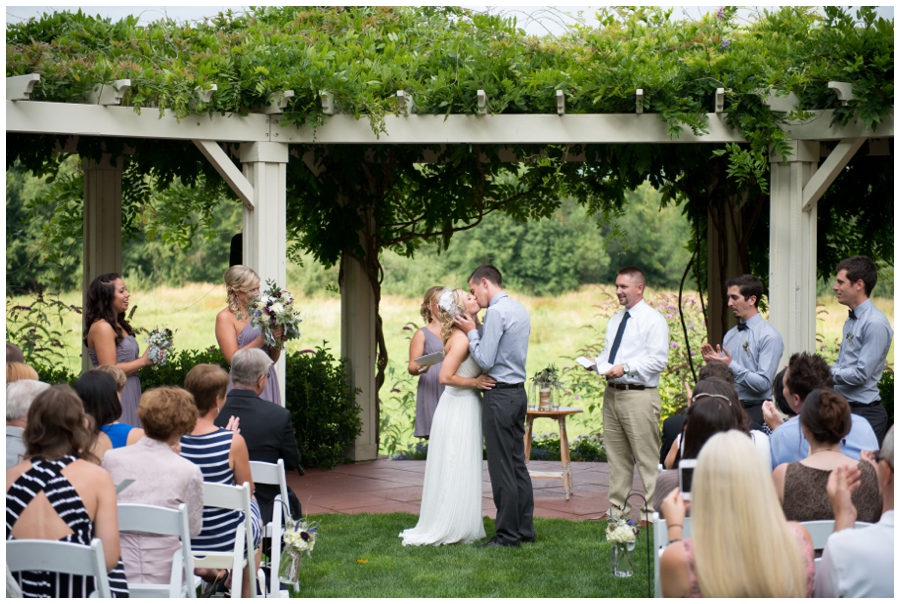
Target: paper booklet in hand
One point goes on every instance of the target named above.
(430, 359)
(591, 363)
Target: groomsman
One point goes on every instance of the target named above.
(867, 340)
(634, 355)
(752, 349)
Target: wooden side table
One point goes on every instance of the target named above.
(560, 416)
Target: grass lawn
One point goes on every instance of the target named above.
(360, 556)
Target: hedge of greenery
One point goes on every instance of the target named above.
(322, 403)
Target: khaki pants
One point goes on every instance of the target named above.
(631, 430)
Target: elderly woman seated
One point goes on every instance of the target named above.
(59, 495)
(161, 477)
(19, 396)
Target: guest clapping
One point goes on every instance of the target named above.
(427, 340)
(825, 421)
(19, 396)
(234, 331)
(59, 495)
(110, 339)
(742, 546)
(161, 477)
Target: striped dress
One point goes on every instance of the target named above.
(210, 453)
(47, 476)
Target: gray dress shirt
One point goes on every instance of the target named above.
(501, 346)
(755, 354)
(864, 350)
(15, 446)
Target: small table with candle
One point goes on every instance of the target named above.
(559, 415)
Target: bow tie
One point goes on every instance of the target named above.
(852, 315)
(742, 326)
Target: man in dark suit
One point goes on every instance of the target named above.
(265, 426)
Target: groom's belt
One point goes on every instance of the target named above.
(507, 385)
(627, 386)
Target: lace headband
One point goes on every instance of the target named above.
(448, 304)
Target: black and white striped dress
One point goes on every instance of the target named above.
(46, 475)
(210, 453)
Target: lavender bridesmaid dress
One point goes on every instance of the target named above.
(126, 351)
(271, 393)
(429, 390)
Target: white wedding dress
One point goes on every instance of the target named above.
(451, 495)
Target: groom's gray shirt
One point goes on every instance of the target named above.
(501, 345)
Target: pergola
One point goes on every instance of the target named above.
(263, 142)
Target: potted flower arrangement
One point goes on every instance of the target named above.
(544, 383)
(621, 535)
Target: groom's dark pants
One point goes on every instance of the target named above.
(503, 423)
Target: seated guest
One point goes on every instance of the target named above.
(806, 372)
(859, 562)
(118, 375)
(673, 425)
(59, 494)
(19, 396)
(265, 426)
(825, 420)
(774, 409)
(161, 477)
(97, 390)
(222, 456)
(14, 354)
(709, 414)
(741, 544)
(19, 371)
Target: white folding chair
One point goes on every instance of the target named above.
(231, 498)
(273, 473)
(55, 556)
(162, 521)
(820, 531)
(660, 540)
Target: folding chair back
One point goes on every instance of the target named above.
(231, 498)
(162, 521)
(660, 540)
(820, 531)
(273, 473)
(56, 556)
(270, 473)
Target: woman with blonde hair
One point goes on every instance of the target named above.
(233, 329)
(427, 340)
(741, 544)
(452, 490)
(19, 371)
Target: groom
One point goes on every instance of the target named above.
(500, 351)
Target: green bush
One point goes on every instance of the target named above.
(886, 388)
(323, 406)
(54, 375)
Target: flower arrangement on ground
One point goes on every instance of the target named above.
(275, 308)
(622, 535)
(299, 537)
(160, 342)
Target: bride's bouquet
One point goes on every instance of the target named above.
(275, 308)
(160, 342)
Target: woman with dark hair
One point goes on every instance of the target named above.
(98, 391)
(110, 339)
(824, 421)
(79, 501)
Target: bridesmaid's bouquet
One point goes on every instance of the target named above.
(275, 308)
(160, 341)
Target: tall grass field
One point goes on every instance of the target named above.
(560, 327)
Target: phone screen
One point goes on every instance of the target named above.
(685, 478)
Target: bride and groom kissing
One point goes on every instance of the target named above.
(484, 376)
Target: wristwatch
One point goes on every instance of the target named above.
(625, 368)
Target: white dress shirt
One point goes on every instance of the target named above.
(644, 346)
(859, 563)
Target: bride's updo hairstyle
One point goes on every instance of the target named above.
(826, 414)
(239, 278)
(451, 303)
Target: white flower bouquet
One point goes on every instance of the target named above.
(275, 308)
(299, 536)
(160, 342)
(620, 532)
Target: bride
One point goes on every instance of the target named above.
(452, 493)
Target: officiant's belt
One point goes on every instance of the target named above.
(506, 385)
(627, 386)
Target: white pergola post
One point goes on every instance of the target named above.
(265, 232)
(792, 249)
(102, 224)
(358, 346)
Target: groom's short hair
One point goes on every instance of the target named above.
(486, 271)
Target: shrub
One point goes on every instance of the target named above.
(323, 406)
(886, 387)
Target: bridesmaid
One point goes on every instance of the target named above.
(233, 329)
(427, 341)
(110, 339)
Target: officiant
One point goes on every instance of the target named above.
(427, 341)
